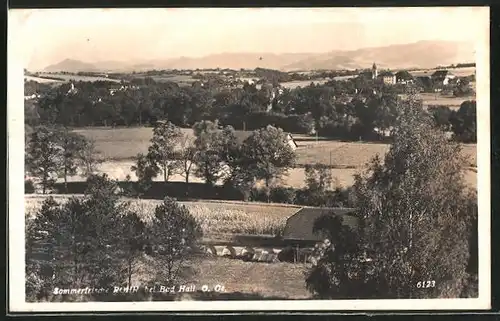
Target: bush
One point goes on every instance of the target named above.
(29, 187)
(283, 195)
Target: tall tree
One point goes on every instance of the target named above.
(187, 156)
(71, 144)
(414, 210)
(89, 159)
(44, 156)
(408, 201)
(175, 231)
(162, 151)
(145, 170)
(463, 122)
(134, 240)
(268, 155)
(211, 144)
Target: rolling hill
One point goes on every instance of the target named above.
(71, 65)
(422, 54)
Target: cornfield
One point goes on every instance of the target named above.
(215, 218)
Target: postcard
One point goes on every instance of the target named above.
(249, 159)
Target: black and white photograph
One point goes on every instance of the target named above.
(249, 159)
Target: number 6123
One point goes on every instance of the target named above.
(426, 284)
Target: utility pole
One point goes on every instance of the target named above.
(331, 171)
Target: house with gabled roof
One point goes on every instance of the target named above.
(388, 78)
(242, 135)
(300, 226)
(442, 77)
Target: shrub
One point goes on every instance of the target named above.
(283, 195)
(29, 186)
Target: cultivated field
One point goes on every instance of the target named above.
(77, 78)
(218, 219)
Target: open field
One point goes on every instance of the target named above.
(459, 72)
(42, 80)
(126, 143)
(438, 99)
(218, 219)
(78, 78)
(302, 83)
(180, 79)
(119, 146)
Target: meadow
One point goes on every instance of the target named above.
(219, 220)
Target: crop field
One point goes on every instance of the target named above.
(218, 220)
(78, 78)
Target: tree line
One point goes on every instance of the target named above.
(353, 109)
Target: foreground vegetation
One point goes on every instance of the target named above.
(216, 219)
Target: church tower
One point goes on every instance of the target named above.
(374, 71)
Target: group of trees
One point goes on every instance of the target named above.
(97, 241)
(461, 122)
(216, 154)
(414, 210)
(56, 152)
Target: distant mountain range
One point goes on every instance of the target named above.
(422, 54)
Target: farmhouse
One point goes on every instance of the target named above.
(442, 77)
(404, 77)
(241, 135)
(388, 78)
(299, 227)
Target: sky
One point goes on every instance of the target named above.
(49, 36)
